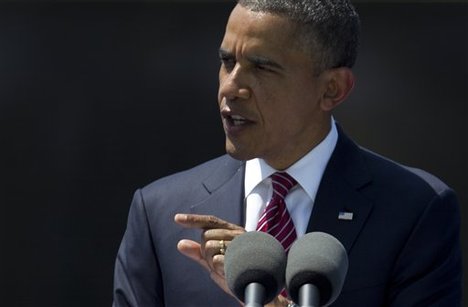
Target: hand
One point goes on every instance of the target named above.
(207, 252)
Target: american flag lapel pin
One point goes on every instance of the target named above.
(345, 216)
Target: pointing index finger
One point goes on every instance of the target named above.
(203, 221)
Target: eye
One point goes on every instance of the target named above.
(263, 64)
(261, 67)
(228, 63)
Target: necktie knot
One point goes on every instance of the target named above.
(282, 183)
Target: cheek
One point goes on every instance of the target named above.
(287, 116)
(275, 121)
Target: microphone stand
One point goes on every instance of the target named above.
(309, 296)
(254, 295)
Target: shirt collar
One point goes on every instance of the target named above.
(307, 171)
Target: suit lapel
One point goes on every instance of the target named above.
(345, 175)
(225, 189)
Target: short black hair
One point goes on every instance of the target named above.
(328, 28)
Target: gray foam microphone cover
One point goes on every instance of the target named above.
(320, 259)
(255, 257)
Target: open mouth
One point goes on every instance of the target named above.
(234, 122)
(237, 120)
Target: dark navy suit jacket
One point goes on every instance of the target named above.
(403, 241)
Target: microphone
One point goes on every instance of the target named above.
(316, 269)
(254, 266)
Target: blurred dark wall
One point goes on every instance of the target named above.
(98, 99)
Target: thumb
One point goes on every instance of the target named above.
(192, 250)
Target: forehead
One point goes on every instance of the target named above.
(247, 27)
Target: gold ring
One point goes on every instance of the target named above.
(222, 248)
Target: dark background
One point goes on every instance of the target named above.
(98, 99)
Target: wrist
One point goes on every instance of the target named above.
(281, 301)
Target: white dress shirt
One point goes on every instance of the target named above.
(308, 172)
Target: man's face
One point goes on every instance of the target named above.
(269, 96)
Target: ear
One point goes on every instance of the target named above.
(339, 83)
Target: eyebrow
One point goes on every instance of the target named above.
(224, 54)
(255, 59)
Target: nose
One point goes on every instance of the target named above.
(233, 84)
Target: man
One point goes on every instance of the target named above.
(285, 65)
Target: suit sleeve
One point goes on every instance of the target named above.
(137, 281)
(429, 270)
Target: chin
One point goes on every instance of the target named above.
(238, 154)
(234, 154)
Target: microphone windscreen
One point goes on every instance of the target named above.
(320, 259)
(255, 257)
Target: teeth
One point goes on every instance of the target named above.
(237, 120)
(237, 117)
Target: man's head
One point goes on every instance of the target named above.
(329, 29)
(278, 84)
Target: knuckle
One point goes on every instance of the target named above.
(218, 260)
(211, 245)
(212, 220)
(205, 235)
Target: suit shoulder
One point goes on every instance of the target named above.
(219, 167)
(410, 178)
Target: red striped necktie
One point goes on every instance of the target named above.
(276, 220)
